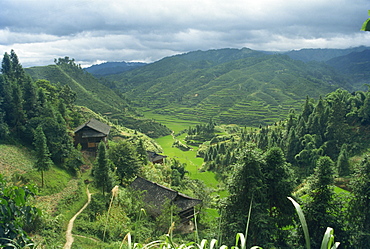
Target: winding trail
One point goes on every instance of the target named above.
(69, 235)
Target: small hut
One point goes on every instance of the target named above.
(156, 196)
(90, 134)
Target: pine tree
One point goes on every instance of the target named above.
(43, 161)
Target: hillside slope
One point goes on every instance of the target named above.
(98, 97)
(245, 87)
(108, 68)
(355, 65)
(321, 54)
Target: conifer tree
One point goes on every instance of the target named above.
(246, 184)
(359, 206)
(102, 169)
(30, 98)
(342, 162)
(43, 161)
(320, 207)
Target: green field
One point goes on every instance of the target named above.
(175, 124)
(193, 163)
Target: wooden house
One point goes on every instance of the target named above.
(90, 134)
(153, 157)
(156, 196)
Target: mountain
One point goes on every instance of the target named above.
(97, 97)
(355, 65)
(108, 68)
(321, 54)
(239, 86)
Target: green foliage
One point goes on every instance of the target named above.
(366, 24)
(124, 156)
(17, 215)
(75, 86)
(244, 87)
(321, 209)
(103, 174)
(246, 183)
(43, 162)
(359, 212)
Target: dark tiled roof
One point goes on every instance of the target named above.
(156, 195)
(154, 157)
(95, 125)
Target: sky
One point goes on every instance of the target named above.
(96, 31)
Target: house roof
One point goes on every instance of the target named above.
(154, 157)
(156, 195)
(95, 125)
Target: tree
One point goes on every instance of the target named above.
(342, 162)
(320, 206)
(246, 184)
(30, 98)
(280, 183)
(125, 158)
(102, 169)
(359, 205)
(43, 161)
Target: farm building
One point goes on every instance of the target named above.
(90, 134)
(156, 196)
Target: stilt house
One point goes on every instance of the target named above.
(90, 134)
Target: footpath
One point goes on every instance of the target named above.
(69, 235)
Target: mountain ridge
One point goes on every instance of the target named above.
(245, 87)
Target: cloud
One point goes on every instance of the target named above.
(143, 30)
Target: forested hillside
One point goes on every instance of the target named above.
(244, 87)
(92, 93)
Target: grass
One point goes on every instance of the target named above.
(15, 159)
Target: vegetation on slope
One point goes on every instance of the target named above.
(231, 86)
(96, 96)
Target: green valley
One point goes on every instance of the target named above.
(216, 141)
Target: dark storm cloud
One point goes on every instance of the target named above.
(143, 30)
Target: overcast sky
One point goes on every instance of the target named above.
(94, 31)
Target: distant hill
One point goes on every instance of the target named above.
(355, 65)
(322, 54)
(239, 86)
(98, 97)
(108, 68)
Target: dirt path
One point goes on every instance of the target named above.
(69, 236)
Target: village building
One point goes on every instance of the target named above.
(156, 196)
(90, 134)
(154, 157)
